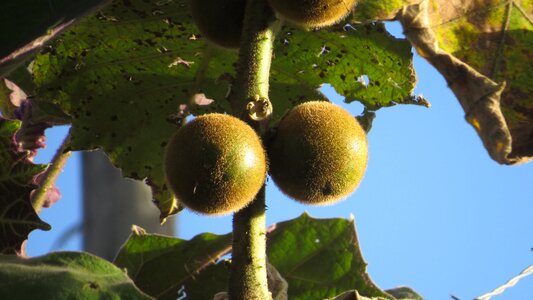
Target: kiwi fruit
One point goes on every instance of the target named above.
(215, 164)
(318, 154)
(219, 21)
(312, 13)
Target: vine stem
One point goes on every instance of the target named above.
(50, 175)
(248, 274)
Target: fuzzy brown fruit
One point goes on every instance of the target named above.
(318, 154)
(312, 13)
(220, 21)
(215, 164)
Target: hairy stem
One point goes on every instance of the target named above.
(255, 55)
(56, 166)
(248, 276)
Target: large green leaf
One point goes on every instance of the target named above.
(17, 216)
(166, 266)
(64, 275)
(320, 258)
(123, 72)
(115, 75)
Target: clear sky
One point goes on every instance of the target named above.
(433, 212)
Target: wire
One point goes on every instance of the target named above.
(508, 284)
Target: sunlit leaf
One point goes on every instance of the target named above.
(320, 258)
(64, 275)
(363, 63)
(17, 216)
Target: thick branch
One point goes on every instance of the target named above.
(248, 278)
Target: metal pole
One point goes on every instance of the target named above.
(112, 204)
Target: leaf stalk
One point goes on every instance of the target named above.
(50, 175)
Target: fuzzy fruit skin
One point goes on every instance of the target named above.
(215, 164)
(319, 153)
(220, 21)
(312, 13)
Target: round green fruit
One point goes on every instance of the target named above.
(220, 21)
(318, 154)
(312, 13)
(215, 164)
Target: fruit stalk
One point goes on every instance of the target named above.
(248, 275)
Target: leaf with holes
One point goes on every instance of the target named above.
(64, 275)
(362, 62)
(320, 258)
(167, 266)
(17, 216)
(124, 73)
(120, 75)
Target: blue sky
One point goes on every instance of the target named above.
(433, 212)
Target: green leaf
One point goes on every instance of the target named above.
(123, 73)
(17, 216)
(166, 266)
(64, 275)
(114, 74)
(320, 258)
(362, 62)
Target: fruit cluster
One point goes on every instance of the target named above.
(216, 163)
(221, 21)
